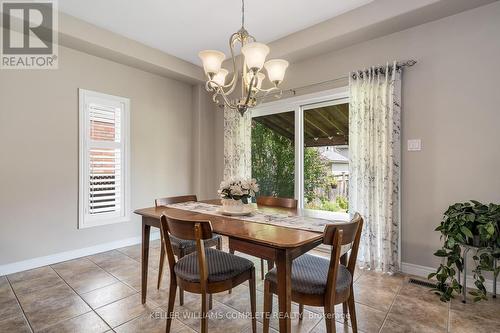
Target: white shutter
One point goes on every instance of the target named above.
(104, 159)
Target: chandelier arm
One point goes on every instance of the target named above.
(218, 91)
(234, 38)
(260, 99)
(226, 101)
(250, 87)
(268, 90)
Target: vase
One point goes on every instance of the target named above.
(232, 206)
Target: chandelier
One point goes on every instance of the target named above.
(251, 71)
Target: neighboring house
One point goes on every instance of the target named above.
(338, 158)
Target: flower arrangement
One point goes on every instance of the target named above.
(238, 189)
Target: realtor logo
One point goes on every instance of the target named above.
(29, 35)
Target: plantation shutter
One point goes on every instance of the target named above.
(104, 160)
(103, 178)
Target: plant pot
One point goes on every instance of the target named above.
(232, 206)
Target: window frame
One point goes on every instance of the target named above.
(85, 144)
(299, 104)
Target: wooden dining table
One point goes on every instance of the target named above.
(267, 241)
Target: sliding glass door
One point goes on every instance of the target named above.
(326, 156)
(273, 153)
(300, 148)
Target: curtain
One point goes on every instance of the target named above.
(237, 144)
(375, 160)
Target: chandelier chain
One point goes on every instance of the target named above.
(242, 13)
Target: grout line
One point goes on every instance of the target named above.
(390, 307)
(77, 294)
(448, 322)
(142, 314)
(122, 281)
(119, 299)
(19, 304)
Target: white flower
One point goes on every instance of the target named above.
(238, 187)
(246, 184)
(253, 185)
(236, 190)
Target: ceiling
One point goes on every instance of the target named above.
(184, 27)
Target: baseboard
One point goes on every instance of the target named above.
(68, 255)
(424, 271)
(417, 270)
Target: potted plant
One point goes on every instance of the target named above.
(470, 223)
(235, 193)
(332, 181)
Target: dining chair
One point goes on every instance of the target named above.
(206, 271)
(180, 246)
(318, 281)
(274, 202)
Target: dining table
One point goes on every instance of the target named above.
(280, 243)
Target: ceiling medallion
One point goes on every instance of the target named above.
(251, 73)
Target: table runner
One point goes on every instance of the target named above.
(274, 218)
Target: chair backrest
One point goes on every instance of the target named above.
(173, 200)
(349, 230)
(277, 202)
(338, 235)
(186, 229)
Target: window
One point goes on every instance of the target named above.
(300, 148)
(104, 195)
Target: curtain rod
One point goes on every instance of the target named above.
(399, 65)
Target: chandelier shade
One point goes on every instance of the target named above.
(249, 74)
(220, 77)
(260, 78)
(276, 69)
(255, 55)
(212, 61)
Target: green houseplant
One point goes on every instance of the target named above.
(470, 223)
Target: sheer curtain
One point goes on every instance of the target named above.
(237, 144)
(375, 160)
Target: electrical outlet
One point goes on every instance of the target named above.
(414, 145)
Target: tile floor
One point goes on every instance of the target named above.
(101, 293)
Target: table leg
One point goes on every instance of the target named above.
(145, 258)
(284, 270)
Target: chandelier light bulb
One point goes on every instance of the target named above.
(255, 55)
(212, 61)
(276, 69)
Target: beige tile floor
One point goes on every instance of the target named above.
(101, 293)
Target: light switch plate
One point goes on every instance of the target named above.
(414, 145)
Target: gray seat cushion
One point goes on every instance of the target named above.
(310, 273)
(221, 266)
(189, 246)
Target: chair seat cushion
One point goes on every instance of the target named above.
(190, 245)
(221, 266)
(310, 274)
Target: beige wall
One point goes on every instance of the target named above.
(39, 150)
(205, 147)
(450, 100)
